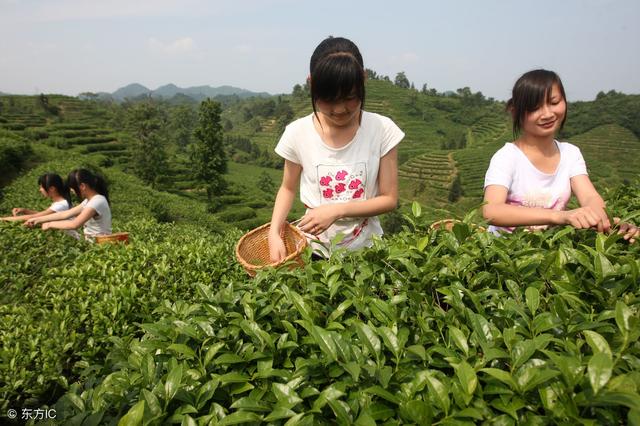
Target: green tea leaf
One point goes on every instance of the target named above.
(459, 339)
(467, 377)
(325, 341)
(623, 315)
(597, 343)
(501, 375)
(417, 411)
(286, 396)
(369, 338)
(416, 209)
(382, 393)
(279, 413)
(239, 417)
(599, 370)
(532, 296)
(439, 393)
(152, 403)
(390, 340)
(173, 382)
(134, 415)
(182, 349)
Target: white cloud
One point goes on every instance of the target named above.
(181, 45)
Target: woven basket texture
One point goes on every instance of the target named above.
(252, 250)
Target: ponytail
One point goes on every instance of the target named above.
(93, 181)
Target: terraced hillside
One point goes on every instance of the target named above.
(63, 122)
(427, 176)
(612, 154)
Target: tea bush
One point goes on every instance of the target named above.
(63, 300)
(427, 326)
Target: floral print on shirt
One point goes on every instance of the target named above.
(342, 183)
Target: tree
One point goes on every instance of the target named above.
(148, 122)
(266, 183)
(183, 122)
(208, 154)
(455, 190)
(402, 80)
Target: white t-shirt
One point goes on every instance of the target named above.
(100, 224)
(59, 206)
(527, 186)
(339, 175)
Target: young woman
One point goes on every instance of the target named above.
(52, 187)
(93, 213)
(343, 158)
(530, 180)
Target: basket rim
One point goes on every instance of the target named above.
(441, 224)
(112, 235)
(249, 267)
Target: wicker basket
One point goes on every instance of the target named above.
(252, 250)
(448, 224)
(118, 237)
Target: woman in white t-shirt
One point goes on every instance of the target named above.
(93, 213)
(530, 181)
(343, 158)
(51, 186)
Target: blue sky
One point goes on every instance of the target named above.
(71, 46)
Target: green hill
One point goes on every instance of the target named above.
(449, 140)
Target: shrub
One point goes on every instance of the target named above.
(237, 214)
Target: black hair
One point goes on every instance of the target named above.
(531, 90)
(94, 181)
(336, 70)
(49, 180)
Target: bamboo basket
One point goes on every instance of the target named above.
(252, 250)
(118, 237)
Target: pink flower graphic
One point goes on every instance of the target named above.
(340, 188)
(358, 193)
(354, 184)
(325, 180)
(341, 175)
(327, 193)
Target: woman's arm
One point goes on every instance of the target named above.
(86, 214)
(282, 206)
(497, 212)
(28, 215)
(56, 216)
(317, 220)
(16, 211)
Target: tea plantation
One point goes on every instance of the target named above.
(428, 326)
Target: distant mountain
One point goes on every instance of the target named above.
(131, 91)
(170, 91)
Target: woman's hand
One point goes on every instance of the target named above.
(17, 211)
(317, 220)
(277, 249)
(30, 223)
(586, 217)
(630, 231)
(46, 225)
